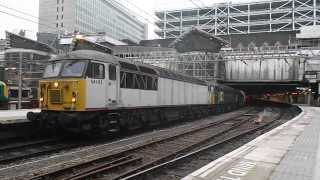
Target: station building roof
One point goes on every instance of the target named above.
(17, 41)
(198, 40)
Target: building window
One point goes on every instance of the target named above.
(57, 1)
(62, 16)
(57, 9)
(57, 17)
(62, 24)
(62, 1)
(62, 8)
(57, 25)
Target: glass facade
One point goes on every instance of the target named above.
(104, 16)
(91, 17)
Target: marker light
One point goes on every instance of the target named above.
(79, 36)
(56, 84)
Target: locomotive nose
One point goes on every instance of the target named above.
(63, 95)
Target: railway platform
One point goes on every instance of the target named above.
(15, 116)
(290, 151)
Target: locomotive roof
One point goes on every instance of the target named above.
(87, 55)
(126, 64)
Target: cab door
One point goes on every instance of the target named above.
(113, 85)
(96, 84)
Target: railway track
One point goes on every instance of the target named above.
(150, 154)
(145, 172)
(23, 150)
(20, 150)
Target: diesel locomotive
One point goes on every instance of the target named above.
(90, 91)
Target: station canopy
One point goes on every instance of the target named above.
(17, 41)
(198, 40)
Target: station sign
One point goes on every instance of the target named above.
(302, 88)
(310, 76)
(312, 80)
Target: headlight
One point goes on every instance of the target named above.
(56, 84)
(74, 97)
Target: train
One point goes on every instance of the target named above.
(91, 91)
(3, 95)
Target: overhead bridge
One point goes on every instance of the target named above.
(262, 87)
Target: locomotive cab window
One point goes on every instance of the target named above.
(112, 72)
(95, 71)
(52, 69)
(73, 69)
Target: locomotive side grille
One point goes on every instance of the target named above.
(55, 96)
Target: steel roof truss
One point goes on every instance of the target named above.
(241, 32)
(238, 10)
(285, 4)
(204, 15)
(303, 4)
(243, 22)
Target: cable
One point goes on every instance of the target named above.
(54, 28)
(31, 15)
(147, 13)
(202, 3)
(195, 4)
(19, 17)
(119, 4)
(28, 14)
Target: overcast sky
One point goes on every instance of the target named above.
(143, 8)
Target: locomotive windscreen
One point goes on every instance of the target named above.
(66, 68)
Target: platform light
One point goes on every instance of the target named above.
(73, 100)
(41, 99)
(56, 84)
(12, 68)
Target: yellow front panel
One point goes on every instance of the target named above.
(58, 94)
(6, 91)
